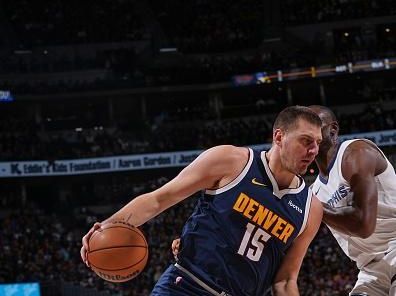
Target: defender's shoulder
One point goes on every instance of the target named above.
(360, 147)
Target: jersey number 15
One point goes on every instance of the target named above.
(253, 242)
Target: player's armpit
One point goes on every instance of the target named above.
(211, 166)
(285, 282)
(205, 172)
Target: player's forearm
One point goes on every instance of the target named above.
(138, 211)
(285, 288)
(347, 220)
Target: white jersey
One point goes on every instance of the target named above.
(336, 192)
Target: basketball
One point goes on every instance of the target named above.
(118, 252)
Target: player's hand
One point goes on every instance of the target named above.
(176, 247)
(85, 240)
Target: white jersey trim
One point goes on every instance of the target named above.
(307, 210)
(276, 191)
(234, 182)
(343, 146)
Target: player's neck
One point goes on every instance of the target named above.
(284, 178)
(324, 158)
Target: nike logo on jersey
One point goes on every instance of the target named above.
(316, 193)
(255, 182)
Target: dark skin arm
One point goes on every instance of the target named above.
(362, 161)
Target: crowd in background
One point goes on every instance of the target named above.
(194, 26)
(204, 33)
(305, 12)
(39, 241)
(23, 139)
(208, 26)
(59, 22)
(121, 69)
(43, 245)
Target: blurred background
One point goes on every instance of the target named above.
(101, 101)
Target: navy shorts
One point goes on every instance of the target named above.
(174, 282)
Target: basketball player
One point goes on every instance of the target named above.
(357, 185)
(254, 222)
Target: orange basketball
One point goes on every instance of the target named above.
(118, 251)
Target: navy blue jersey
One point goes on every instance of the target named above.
(237, 236)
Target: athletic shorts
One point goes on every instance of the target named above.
(174, 282)
(378, 277)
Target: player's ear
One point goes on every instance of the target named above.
(334, 130)
(277, 137)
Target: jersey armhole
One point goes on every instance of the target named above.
(307, 210)
(236, 181)
(372, 144)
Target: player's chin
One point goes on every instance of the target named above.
(302, 169)
(302, 172)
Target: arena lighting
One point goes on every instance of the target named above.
(346, 34)
(276, 39)
(22, 51)
(314, 72)
(168, 49)
(387, 30)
